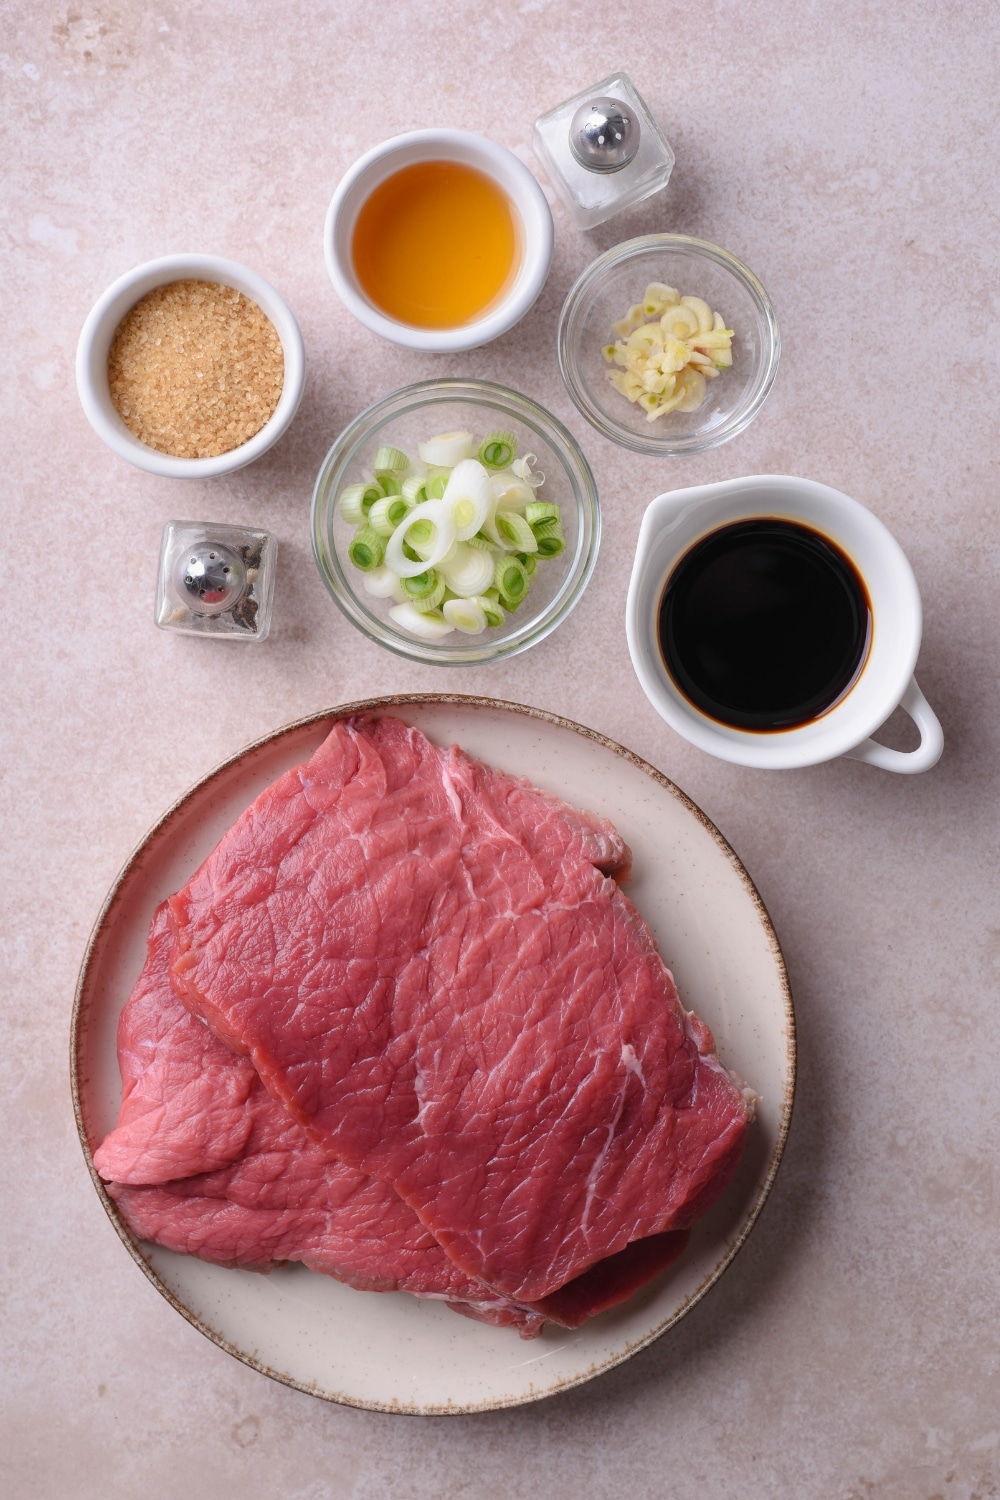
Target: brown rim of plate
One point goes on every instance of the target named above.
(333, 715)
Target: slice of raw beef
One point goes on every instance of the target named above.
(427, 963)
(184, 1094)
(204, 1161)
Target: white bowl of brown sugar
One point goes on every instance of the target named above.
(190, 366)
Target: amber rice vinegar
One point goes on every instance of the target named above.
(436, 244)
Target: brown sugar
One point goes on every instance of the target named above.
(195, 369)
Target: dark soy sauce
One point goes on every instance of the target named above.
(764, 624)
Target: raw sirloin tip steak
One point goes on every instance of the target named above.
(433, 971)
(204, 1161)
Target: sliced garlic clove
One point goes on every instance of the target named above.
(680, 322)
(695, 393)
(657, 297)
(701, 310)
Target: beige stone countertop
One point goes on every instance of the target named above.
(847, 153)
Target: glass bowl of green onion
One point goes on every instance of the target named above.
(455, 522)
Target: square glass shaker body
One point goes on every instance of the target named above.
(591, 197)
(250, 617)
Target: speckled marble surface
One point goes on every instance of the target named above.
(847, 154)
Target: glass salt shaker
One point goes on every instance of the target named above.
(603, 150)
(215, 580)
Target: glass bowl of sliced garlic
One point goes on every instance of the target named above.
(668, 344)
(455, 522)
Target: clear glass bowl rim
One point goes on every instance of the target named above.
(436, 393)
(576, 304)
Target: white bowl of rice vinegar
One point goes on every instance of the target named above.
(439, 240)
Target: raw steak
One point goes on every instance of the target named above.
(183, 1092)
(205, 1162)
(426, 961)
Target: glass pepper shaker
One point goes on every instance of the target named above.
(215, 580)
(603, 150)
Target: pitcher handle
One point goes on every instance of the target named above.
(927, 753)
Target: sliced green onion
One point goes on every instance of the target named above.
(422, 584)
(424, 592)
(514, 529)
(466, 615)
(432, 520)
(420, 534)
(393, 459)
(470, 497)
(511, 493)
(467, 570)
(386, 514)
(447, 449)
(546, 528)
(432, 626)
(511, 579)
(491, 533)
(491, 607)
(356, 500)
(381, 583)
(522, 468)
(432, 602)
(540, 510)
(414, 489)
(551, 544)
(451, 542)
(367, 549)
(498, 450)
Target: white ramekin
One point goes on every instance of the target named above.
(99, 330)
(441, 145)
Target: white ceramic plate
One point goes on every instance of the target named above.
(393, 1352)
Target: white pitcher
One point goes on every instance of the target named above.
(674, 522)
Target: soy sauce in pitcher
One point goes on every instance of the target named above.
(764, 624)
